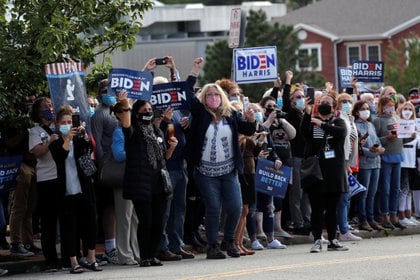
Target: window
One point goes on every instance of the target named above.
(309, 57)
(353, 54)
(372, 53)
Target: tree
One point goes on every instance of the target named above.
(259, 32)
(296, 4)
(34, 33)
(402, 71)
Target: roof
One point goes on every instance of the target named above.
(355, 19)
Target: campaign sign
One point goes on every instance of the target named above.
(405, 128)
(368, 71)
(172, 95)
(9, 168)
(345, 75)
(137, 84)
(66, 81)
(255, 65)
(271, 181)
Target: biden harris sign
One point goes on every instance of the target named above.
(137, 84)
(255, 65)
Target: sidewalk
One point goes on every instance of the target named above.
(34, 264)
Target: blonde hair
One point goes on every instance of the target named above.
(225, 109)
(405, 104)
(342, 96)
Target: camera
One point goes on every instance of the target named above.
(280, 114)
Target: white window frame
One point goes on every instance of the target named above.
(348, 53)
(379, 51)
(309, 47)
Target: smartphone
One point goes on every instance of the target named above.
(269, 149)
(171, 130)
(310, 92)
(365, 136)
(75, 119)
(161, 61)
(245, 101)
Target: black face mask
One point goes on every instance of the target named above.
(145, 118)
(324, 109)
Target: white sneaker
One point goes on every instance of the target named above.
(256, 245)
(275, 244)
(353, 230)
(414, 221)
(348, 236)
(282, 233)
(323, 240)
(406, 222)
(317, 248)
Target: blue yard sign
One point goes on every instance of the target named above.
(368, 71)
(137, 84)
(271, 181)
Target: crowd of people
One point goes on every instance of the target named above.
(181, 171)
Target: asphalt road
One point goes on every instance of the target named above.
(394, 257)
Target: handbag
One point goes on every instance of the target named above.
(111, 174)
(87, 165)
(167, 183)
(310, 168)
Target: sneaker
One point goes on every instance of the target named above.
(282, 233)
(214, 252)
(406, 222)
(19, 250)
(323, 240)
(317, 248)
(348, 236)
(51, 268)
(232, 250)
(275, 244)
(111, 257)
(336, 246)
(353, 230)
(3, 271)
(256, 245)
(32, 248)
(399, 225)
(414, 221)
(166, 256)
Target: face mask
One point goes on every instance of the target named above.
(324, 109)
(213, 101)
(280, 102)
(406, 114)
(389, 111)
(372, 108)
(300, 104)
(346, 108)
(145, 118)
(65, 129)
(364, 114)
(258, 117)
(234, 98)
(47, 114)
(268, 111)
(108, 100)
(91, 111)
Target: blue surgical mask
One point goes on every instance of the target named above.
(109, 100)
(280, 102)
(372, 108)
(346, 108)
(258, 117)
(234, 98)
(300, 104)
(65, 129)
(91, 111)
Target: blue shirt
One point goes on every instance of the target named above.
(118, 148)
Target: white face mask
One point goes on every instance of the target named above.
(364, 114)
(406, 114)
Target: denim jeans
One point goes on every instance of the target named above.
(175, 213)
(216, 191)
(368, 178)
(342, 212)
(390, 187)
(265, 204)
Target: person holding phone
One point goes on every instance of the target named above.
(390, 176)
(370, 149)
(78, 202)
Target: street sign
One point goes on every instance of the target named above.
(235, 28)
